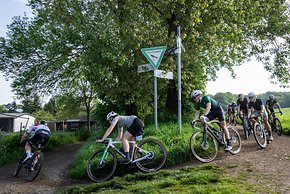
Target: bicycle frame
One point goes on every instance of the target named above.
(207, 127)
(111, 144)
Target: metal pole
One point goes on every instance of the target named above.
(155, 98)
(179, 76)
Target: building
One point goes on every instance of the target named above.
(14, 122)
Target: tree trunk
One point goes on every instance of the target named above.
(171, 101)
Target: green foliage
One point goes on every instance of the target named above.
(11, 150)
(285, 121)
(43, 115)
(200, 179)
(97, 44)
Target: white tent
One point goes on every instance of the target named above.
(14, 122)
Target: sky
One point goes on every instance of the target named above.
(250, 76)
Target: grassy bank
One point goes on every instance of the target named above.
(207, 178)
(285, 120)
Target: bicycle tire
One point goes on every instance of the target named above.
(19, 165)
(260, 135)
(278, 126)
(34, 169)
(236, 141)
(198, 150)
(157, 155)
(96, 171)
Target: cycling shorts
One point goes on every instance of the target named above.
(218, 113)
(137, 127)
(40, 138)
(256, 113)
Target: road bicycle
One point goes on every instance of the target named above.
(260, 134)
(204, 142)
(32, 165)
(148, 155)
(275, 123)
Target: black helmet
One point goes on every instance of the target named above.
(42, 122)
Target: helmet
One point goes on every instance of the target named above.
(111, 114)
(195, 93)
(251, 94)
(271, 97)
(241, 96)
(42, 122)
(233, 103)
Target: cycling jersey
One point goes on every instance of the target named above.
(204, 101)
(134, 124)
(216, 110)
(270, 104)
(257, 104)
(39, 128)
(243, 104)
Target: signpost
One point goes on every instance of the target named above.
(154, 55)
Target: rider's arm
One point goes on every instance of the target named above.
(107, 133)
(197, 112)
(279, 107)
(207, 109)
(120, 134)
(262, 109)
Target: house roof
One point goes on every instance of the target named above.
(14, 115)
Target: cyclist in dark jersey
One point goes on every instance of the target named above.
(270, 105)
(212, 110)
(135, 128)
(242, 104)
(256, 107)
(41, 135)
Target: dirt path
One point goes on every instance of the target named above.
(52, 176)
(270, 166)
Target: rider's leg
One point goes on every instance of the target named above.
(28, 149)
(125, 140)
(267, 125)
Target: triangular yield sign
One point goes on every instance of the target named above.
(154, 55)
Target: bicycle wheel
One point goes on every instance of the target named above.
(278, 126)
(204, 151)
(35, 166)
(260, 135)
(154, 154)
(20, 164)
(101, 170)
(236, 141)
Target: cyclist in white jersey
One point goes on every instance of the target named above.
(135, 128)
(41, 135)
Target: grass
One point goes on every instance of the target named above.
(206, 178)
(285, 120)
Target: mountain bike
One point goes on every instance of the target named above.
(275, 123)
(32, 165)
(205, 141)
(148, 155)
(260, 134)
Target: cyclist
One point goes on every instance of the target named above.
(256, 106)
(270, 105)
(229, 112)
(41, 135)
(135, 128)
(242, 105)
(212, 110)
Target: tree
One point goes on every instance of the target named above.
(102, 40)
(31, 106)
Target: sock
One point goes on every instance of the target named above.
(28, 152)
(127, 154)
(228, 142)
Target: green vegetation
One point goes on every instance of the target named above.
(285, 120)
(200, 179)
(11, 150)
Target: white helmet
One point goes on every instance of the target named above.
(111, 114)
(195, 93)
(251, 94)
(271, 97)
